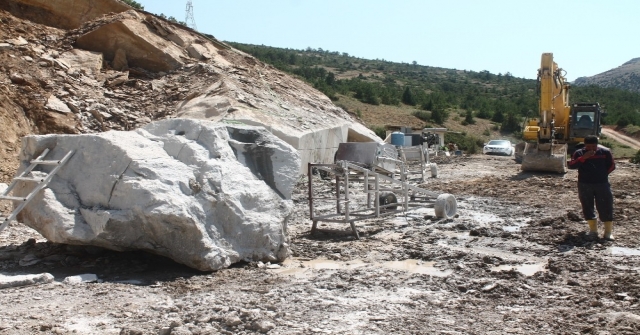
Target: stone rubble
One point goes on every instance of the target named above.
(24, 280)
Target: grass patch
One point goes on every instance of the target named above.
(422, 115)
(608, 144)
(632, 131)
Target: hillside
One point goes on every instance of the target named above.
(625, 76)
(118, 69)
(387, 94)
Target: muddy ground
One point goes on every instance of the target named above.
(515, 261)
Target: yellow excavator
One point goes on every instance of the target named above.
(561, 125)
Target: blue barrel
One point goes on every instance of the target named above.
(397, 138)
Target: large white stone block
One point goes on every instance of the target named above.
(204, 194)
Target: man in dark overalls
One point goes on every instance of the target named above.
(594, 164)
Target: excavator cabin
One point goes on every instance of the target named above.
(586, 119)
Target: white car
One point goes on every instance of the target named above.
(498, 147)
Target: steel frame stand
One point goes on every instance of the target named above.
(353, 180)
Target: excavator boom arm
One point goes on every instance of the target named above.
(549, 151)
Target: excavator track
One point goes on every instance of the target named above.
(544, 157)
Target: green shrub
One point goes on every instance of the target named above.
(380, 131)
(607, 144)
(134, 4)
(517, 134)
(467, 143)
(439, 116)
(468, 117)
(632, 129)
(474, 150)
(486, 132)
(422, 115)
(511, 123)
(636, 159)
(623, 122)
(483, 114)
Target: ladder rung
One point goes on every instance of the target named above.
(4, 222)
(34, 179)
(35, 161)
(6, 197)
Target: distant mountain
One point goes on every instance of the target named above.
(626, 77)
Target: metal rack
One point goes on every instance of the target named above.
(417, 154)
(385, 194)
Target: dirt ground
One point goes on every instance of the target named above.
(516, 260)
(622, 138)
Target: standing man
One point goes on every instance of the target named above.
(594, 164)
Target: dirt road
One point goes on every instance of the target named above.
(622, 138)
(515, 261)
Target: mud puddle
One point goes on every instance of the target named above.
(621, 251)
(306, 268)
(488, 251)
(526, 269)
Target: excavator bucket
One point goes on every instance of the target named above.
(544, 157)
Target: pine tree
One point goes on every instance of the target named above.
(468, 118)
(510, 123)
(428, 105)
(407, 97)
(438, 115)
(497, 116)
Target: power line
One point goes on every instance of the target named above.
(189, 19)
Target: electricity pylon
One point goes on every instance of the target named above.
(189, 19)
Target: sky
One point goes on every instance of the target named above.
(586, 37)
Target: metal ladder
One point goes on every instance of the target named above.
(41, 182)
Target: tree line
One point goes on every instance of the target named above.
(433, 91)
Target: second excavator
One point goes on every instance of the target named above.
(560, 126)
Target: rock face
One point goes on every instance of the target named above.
(82, 60)
(66, 14)
(132, 37)
(204, 194)
(154, 69)
(625, 77)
